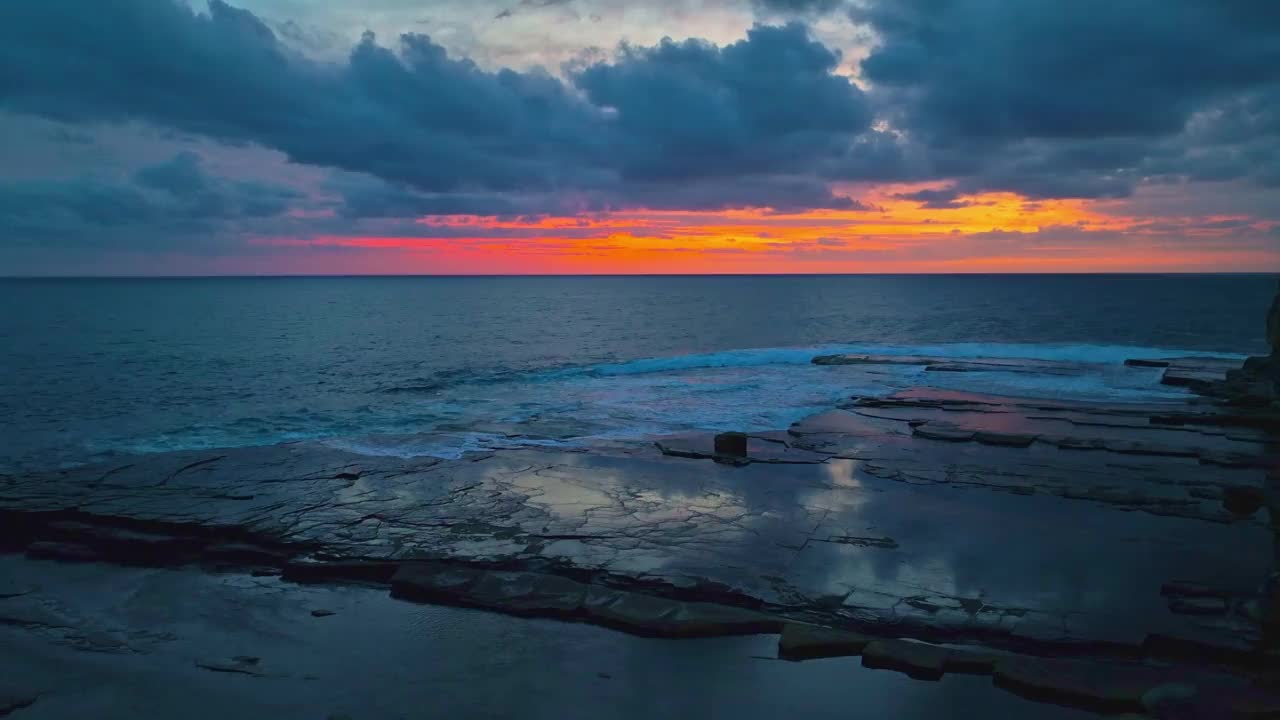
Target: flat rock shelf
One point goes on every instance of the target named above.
(1104, 556)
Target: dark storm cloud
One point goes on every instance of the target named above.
(366, 197)
(782, 194)
(419, 119)
(176, 195)
(1090, 68)
(1080, 99)
(49, 205)
(194, 194)
(180, 176)
(690, 109)
(941, 199)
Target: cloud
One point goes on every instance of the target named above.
(768, 103)
(175, 196)
(179, 176)
(1094, 68)
(368, 197)
(935, 199)
(1079, 99)
(420, 118)
(1095, 100)
(365, 196)
(781, 194)
(417, 118)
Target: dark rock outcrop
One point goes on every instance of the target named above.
(739, 449)
(1146, 363)
(917, 660)
(803, 642)
(1102, 687)
(731, 445)
(542, 595)
(1256, 383)
(924, 661)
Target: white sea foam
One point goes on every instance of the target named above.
(755, 389)
(1101, 354)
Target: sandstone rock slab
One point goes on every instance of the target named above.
(801, 642)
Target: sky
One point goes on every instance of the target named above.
(167, 137)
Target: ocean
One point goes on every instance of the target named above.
(97, 368)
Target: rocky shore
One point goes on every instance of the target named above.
(1104, 556)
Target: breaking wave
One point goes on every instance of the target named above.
(1098, 354)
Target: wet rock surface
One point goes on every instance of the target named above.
(379, 657)
(918, 660)
(553, 596)
(803, 642)
(892, 528)
(1113, 687)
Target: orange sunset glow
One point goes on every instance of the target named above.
(986, 232)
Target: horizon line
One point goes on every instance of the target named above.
(251, 276)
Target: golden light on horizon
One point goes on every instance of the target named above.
(987, 232)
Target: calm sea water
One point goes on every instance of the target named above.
(94, 368)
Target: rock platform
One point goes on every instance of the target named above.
(1044, 542)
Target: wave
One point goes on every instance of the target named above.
(1093, 354)
(448, 446)
(761, 357)
(443, 380)
(461, 411)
